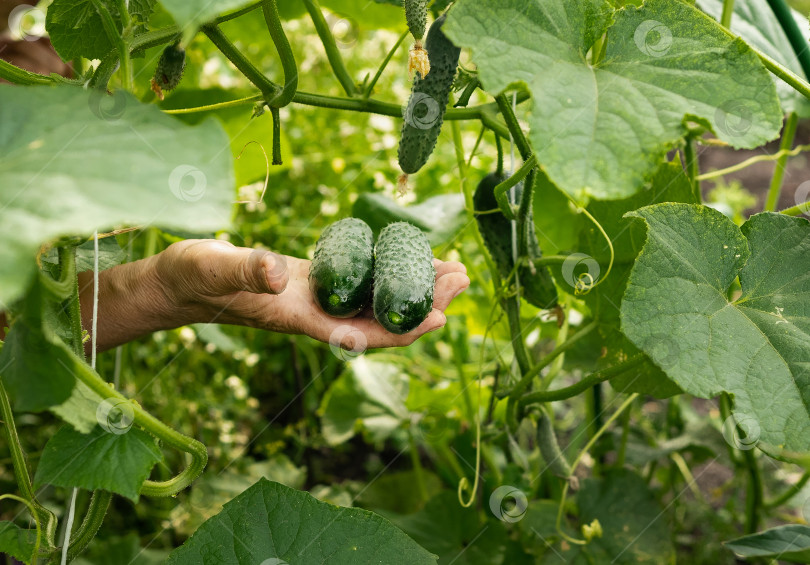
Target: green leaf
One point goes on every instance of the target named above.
(370, 397)
(635, 526)
(786, 543)
(118, 461)
(56, 178)
(598, 130)
(753, 20)
(393, 492)
(440, 217)
(189, 15)
(76, 30)
(80, 409)
(454, 533)
(756, 348)
(37, 367)
(17, 542)
(270, 522)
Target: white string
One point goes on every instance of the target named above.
(94, 326)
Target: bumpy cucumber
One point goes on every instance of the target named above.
(169, 69)
(404, 278)
(550, 449)
(340, 276)
(416, 16)
(538, 287)
(425, 111)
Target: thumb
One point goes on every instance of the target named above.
(253, 270)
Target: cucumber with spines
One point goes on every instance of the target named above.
(340, 276)
(169, 69)
(416, 16)
(537, 287)
(424, 113)
(404, 278)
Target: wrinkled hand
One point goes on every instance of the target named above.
(214, 281)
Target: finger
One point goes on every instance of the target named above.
(376, 336)
(448, 287)
(447, 267)
(242, 269)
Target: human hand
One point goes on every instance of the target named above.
(214, 281)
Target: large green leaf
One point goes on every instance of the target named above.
(786, 543)
(76, 29)
(756, 348)
(598, 130)
(369, 397)
(17, 542)
(271, 523)
(753, 20)
(108, 460)
(73, 160)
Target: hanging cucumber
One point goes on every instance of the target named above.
(169, 69)
(537, 285)
(340, 276)
(550, 449)
(425, 111)
(404, 278)
(416, 16)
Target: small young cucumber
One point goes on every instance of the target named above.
(550, 449)
(538, 287)
(428, 102)
(416, 16)
(169, 69)
(340, 276)
(404, 278)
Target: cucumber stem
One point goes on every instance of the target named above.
(285, 53)
(775, 188)
(330, 46)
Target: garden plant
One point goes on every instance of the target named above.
(626, 380)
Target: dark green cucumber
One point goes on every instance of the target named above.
(550, 449)
(428, 102)
(340, 276)
(404, 278)
(416, 16)
(538, 287)
(170, 67)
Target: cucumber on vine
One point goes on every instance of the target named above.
(404, 277)
(428, 102)
(536, 283)
(416, 16)
(169, 69)
(340, 276)
(550, 449)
